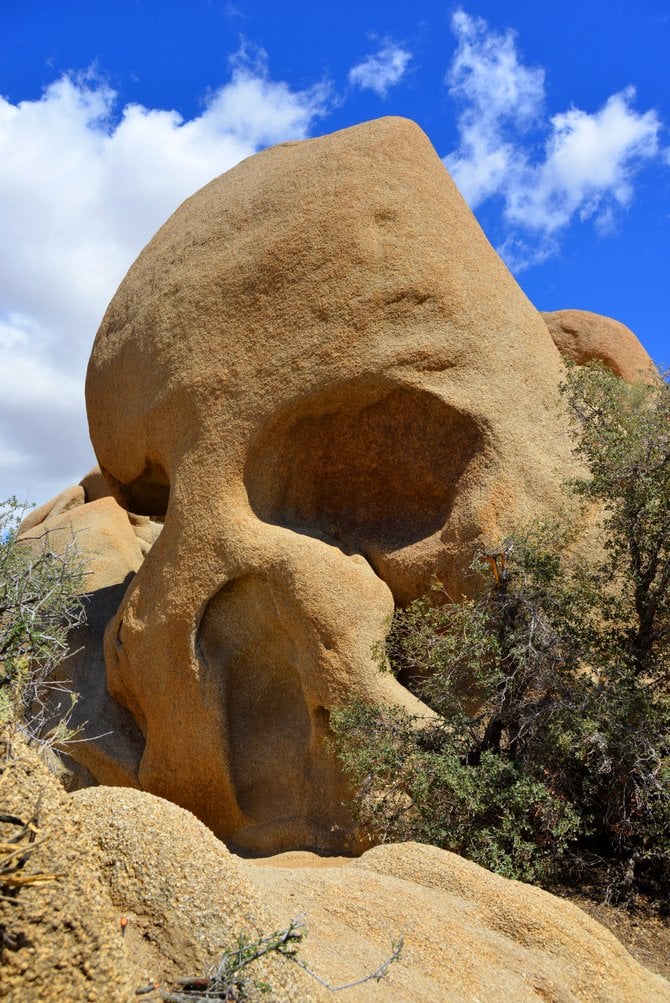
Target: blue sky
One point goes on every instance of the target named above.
(553, 119)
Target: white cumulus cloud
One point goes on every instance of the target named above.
(578, 165)
(382, 70)
(83, 185)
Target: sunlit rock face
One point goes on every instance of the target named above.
(323, 378)
(583, 337)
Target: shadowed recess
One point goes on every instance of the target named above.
(369, 464)
(148, 494)
(253, 652)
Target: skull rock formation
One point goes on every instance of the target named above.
(584, 337)
(323, 378)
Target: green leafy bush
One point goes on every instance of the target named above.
(499, 678)
(550, 755)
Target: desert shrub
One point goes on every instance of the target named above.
(40, 602)
(550, 753)
(623, 434)
(500, 678)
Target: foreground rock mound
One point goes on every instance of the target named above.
(184, 895)
(469, 934)
(326, 381)
(59, 940)
(120, 853)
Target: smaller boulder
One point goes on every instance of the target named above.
(63, 934)
(127, 890)
(110, 744)
(468, 934)
(185, 896)
(584, 337)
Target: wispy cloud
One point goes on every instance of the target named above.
(382, 70)
(575, 166)
(83, 185)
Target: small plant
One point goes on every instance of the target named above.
(230, 980)
(40, 602)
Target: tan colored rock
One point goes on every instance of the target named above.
(66, 932)
(119, 853)
(114, 543)
(95, 486)
(585, 337)
(184, 894)
(469, 935)
(110, 743)
(71, 498)
(92, 487)
(323, 376)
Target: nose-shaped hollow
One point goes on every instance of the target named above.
(374, 466)
(259, 655)
(278, 647)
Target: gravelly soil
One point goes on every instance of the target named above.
(645, 935)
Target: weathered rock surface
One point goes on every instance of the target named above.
(324, 377)
(123, 853)
(119, 852)
(185, 896)
(66, 933)
(90, 488)
(584, 337)
(469, 935)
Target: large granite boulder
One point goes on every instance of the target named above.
(323, 378)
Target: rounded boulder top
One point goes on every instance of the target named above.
(584, 337)
(309, 263)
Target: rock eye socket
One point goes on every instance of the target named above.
(373, 466)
